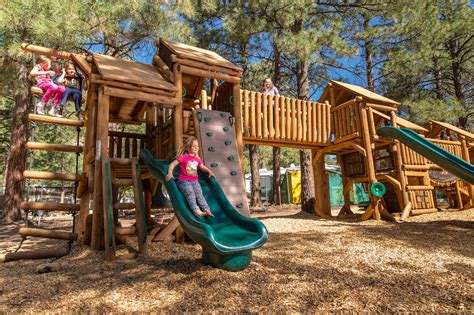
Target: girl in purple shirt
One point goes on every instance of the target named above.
(269, 88)
(189, 162)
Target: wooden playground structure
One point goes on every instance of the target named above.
(167, 97)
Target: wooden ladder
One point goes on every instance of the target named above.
(53, 176)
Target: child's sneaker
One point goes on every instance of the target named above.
(40, 109)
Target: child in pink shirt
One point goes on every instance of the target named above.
(43, 78)
(189, 162)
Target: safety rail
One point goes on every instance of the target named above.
(275, 118)
(125, 144)
(346, 119)
(410, 157)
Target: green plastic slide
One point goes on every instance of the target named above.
(431, 151)
(228, 238)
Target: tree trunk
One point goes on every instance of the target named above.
(17, 154)
(368, 59)
(255, 199)
(276, 150)
(307, 178)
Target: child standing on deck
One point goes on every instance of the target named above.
(189, 162)
(43, 78)
(74, 83)
(269, 88)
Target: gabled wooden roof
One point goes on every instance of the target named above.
(198, 54)
(111, 68)
(437, 126)
(345, 91)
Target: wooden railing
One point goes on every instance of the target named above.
(346, 120)
(278, 119)
(125, 144)
(410, 157)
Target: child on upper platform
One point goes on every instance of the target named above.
(73, 82)
(42, 73)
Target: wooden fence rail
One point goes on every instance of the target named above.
(275, 118)
(412, 158)
(125, 144)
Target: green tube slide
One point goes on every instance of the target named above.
(431, 151)
(228, 238)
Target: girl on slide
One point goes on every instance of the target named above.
(189, 162)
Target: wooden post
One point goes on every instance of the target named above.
(102, 129)
(321, 186)
(204, 99)
(401, 174)
(347, 199)
(140, 211)
(237, 112)
(178, 109)
(369, 160)
(466, 157)
(109, 224)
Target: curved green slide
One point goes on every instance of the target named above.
(228, 238)
(431, 151)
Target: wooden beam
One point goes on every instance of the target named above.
(95, 78)
(56, 120)
(35, 254)
(51, 176)
(49, 206)
(53, 147)
(208, 74)
(147, 97)
(60, 235)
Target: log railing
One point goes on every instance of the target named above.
(278, 119)
(125, 144)
(410, 157)
(346, 120)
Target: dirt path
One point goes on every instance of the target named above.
(308, 265)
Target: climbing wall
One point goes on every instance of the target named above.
(219, 151)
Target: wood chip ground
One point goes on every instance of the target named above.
(308, 265)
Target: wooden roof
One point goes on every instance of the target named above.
(353, 89)
(198, 54)
(111, 68)
(439, 125)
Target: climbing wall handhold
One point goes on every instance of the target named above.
(185, 92)
(225, 129)
(211, 149)
(231, 158)
(228, 142)
(207, 119)
(209, 134)
(233, 173)
(223, 115)
(231, 120)
(231, 100)
(214, 164)
(239, 205)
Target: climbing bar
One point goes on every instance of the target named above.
(49, 206)
(56, 120)
(53, 147)
(120, 162)
(122, 182)
(420, 188)
(60, 235)
(124, 206)
(51, 175)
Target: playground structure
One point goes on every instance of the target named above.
(168, 98)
